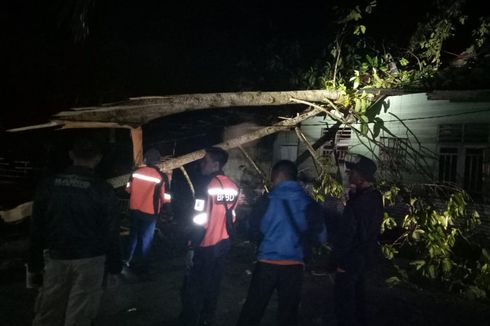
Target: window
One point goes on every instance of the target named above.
(461, 155)
(475, 133)
(289, 152)
(486, 175)
(289, 146)
(448, 163)
(473, 170)
(470, 133)
(451, 133)
(339, 145)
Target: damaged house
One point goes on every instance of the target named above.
(438, 137)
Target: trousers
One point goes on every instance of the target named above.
(287, 280)
(142, 230)
(71, 292)
(349, 298)
(201, 286)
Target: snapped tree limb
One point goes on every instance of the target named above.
(25, 210)
(177, 162)
(138, 111)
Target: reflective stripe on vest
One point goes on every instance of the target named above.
(146, 178)
(214, 207)
(147, 189)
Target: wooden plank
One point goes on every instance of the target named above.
(137, 141)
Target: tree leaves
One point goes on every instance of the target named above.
(431, 235)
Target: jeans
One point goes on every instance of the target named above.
(287, 280)
(71, 292)
(141, 234)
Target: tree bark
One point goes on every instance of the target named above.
(138, 111)
(314, 156)
(256, 167)
(25, 210)
(330, 134)
(177, 162)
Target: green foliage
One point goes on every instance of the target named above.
(358, 63)
(430, 232)
(480, 34)
(482, 275)
(326, 185)
(429, 37)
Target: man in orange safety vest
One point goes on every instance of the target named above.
(148, 189)
(212, 223)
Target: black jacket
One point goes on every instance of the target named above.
(358, 229)
(75, 215)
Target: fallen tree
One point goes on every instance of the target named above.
(177, 162)
(25, 210)
(138, 111)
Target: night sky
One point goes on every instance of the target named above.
(137, 48)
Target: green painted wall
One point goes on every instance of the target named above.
(422, 116)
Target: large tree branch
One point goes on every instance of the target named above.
(256, 167)
(25, 210)
(316, 161)
(329, 135)
(177, 162)
(138, 111)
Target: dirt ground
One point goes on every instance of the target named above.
(154, 299)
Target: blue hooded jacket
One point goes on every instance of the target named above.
(280, 241)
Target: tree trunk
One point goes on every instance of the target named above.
(177, 162)
(138, 111)
(25, 210)
(330, 134)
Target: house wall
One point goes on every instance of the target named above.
(423, 118)
(421, 121)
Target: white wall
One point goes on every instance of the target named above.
(421, 116)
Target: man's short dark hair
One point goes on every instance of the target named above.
(287, 168)
(86, 148)
(152, 156)
(217, 154)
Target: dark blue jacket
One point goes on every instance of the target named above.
(279, 240)
(75, 216)
(355, 240)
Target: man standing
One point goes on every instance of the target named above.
(355, 241)
(286, 221)
(214, 208)
(74, 235)
(147, 188)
